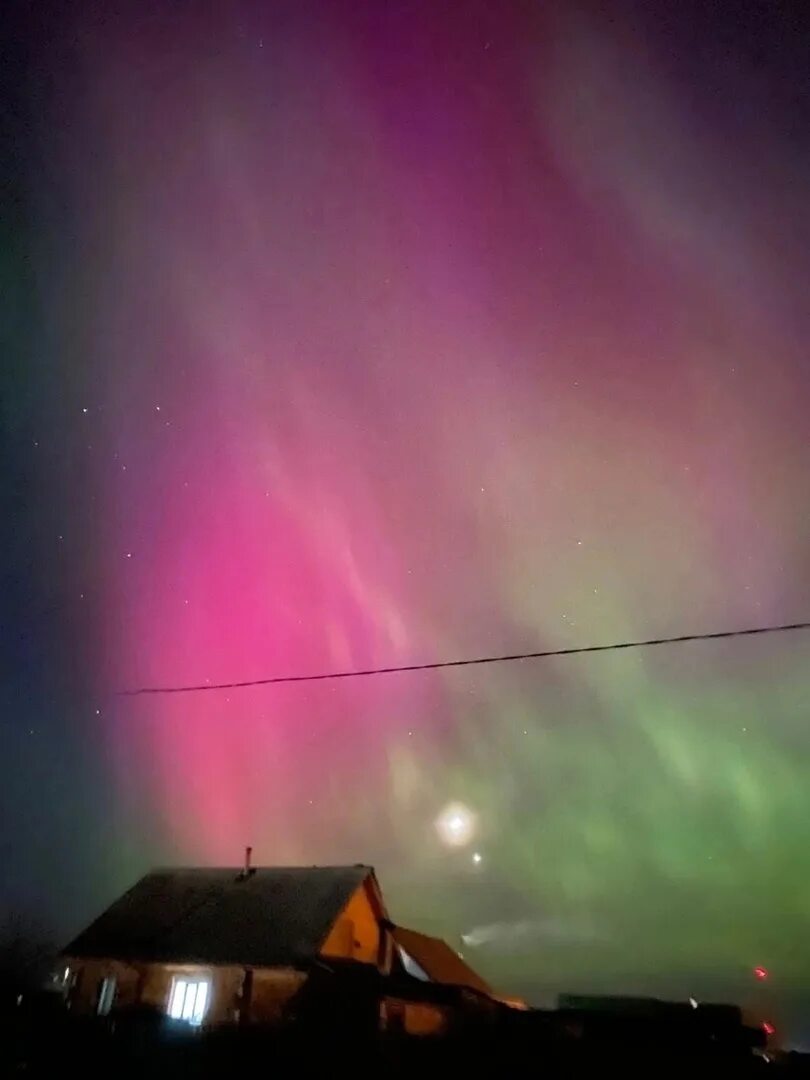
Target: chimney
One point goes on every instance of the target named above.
(247, 870)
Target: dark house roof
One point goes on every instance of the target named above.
(438, 960)
(273, 917)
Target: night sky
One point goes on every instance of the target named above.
(339, 335)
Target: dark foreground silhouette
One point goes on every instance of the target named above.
(40, 1038)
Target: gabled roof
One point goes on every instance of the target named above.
(438, 960)
(273, 917)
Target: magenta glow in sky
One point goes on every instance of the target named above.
(419, 332)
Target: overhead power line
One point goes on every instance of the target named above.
(436, 664)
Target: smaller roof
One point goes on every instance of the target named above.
(439, 962)
(270, 917)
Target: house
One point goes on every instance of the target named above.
(264, 945)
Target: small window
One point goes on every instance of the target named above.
(411, 966)
(106, 996)
(188, 998)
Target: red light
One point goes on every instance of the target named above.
(760, 973)
(768, 1028)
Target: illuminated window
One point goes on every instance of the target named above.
(106, 996)
(411, 966)
(188, 998)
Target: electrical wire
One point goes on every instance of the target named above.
(436, 664)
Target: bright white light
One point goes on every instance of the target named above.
(456, 825)
(176, 999)
(202, 1001)
(693, 1003)
(476, 857)
(188, 1000)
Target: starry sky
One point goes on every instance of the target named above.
(343, 334)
